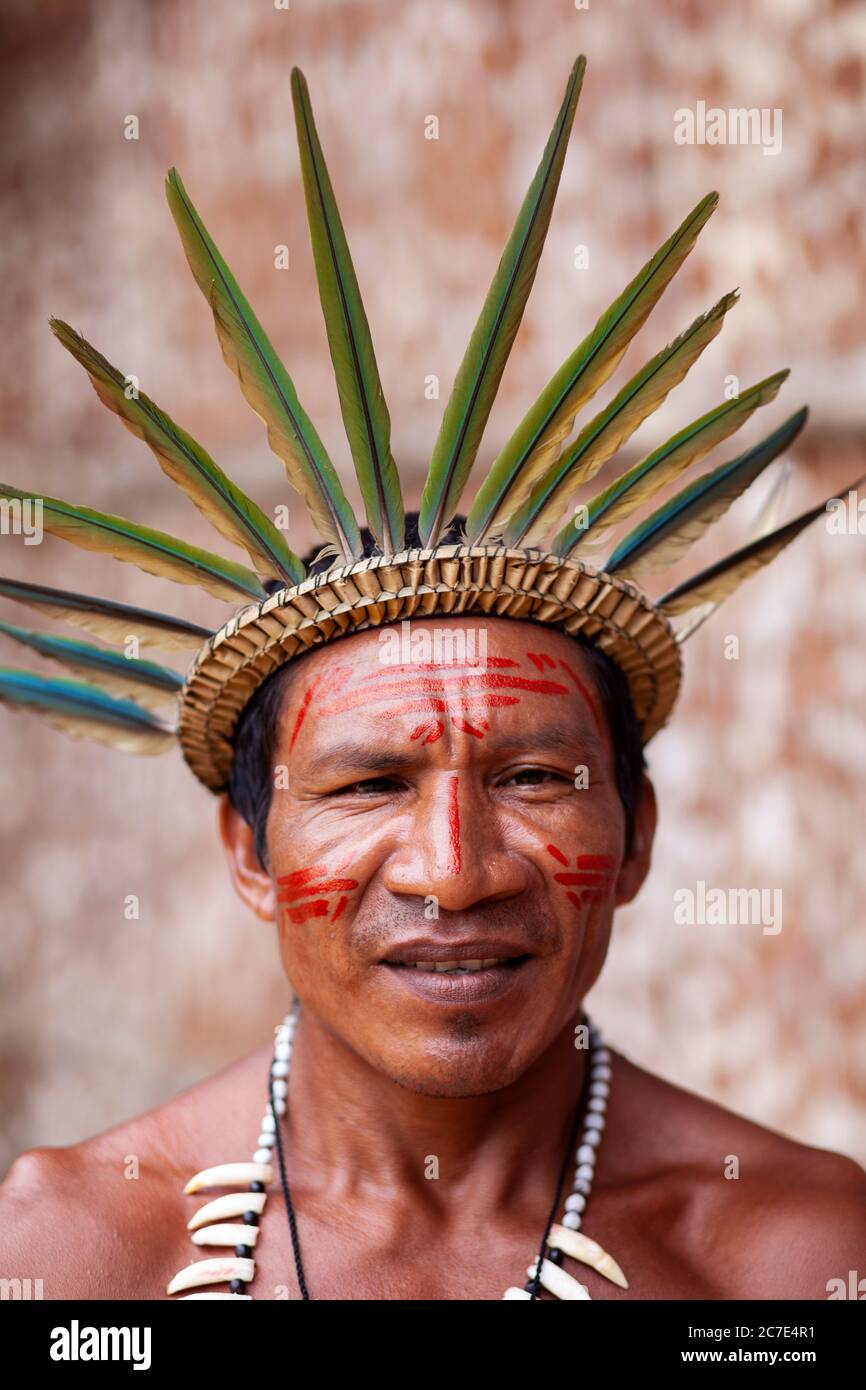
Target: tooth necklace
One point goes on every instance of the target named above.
(233, 1219)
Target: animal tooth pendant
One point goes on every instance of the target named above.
(208, 1226)
(557, 1280)
(589, 1252)
(212, 1272)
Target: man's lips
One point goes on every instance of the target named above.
(461, 973)
(427, 952)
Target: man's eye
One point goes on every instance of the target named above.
(372, 786)
(534, 776)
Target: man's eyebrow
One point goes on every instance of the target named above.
(553, 738)
(352, 755)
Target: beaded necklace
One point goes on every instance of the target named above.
(217, 1223)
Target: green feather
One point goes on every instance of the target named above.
(114, 622)
(226, 507)
(539, 437)
(722, 579)
(153, 551)
(266, 384)
(145, 681)
(665, 536)
(365, 414)
(611, 427)
(85, 712)
(634, 487)
(478, 377)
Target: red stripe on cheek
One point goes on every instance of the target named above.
(557, 854)
(299, 915)
(331, 885)
(300, 876)
(454, 826)
(338, 910)
(595, 861)
(575, 880)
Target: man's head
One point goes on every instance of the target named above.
(440, 812)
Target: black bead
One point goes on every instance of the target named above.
(250, 1218)
(257, 1187)
(243, 1251)
(531, 1287)
(554, 1255)
(236, 1286)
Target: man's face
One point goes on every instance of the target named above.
(428, 818)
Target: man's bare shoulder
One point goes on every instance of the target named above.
(768, 1216)
(106, 1217)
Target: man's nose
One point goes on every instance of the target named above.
(455, 850)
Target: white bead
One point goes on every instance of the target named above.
(283, 1051)
(279, 1069)
(584, 1170)
(571, 1220)
(280, 1107)
(602, 1055)
(592, 1138)
(268, 1122)
(281, 1089)
(595, 1122)
(585, 1154)
(596, 1105)
(583, 1185)
(267, 1141)
(599, 1088)
(602, 1073)
(262, 1156)
(576, 1202)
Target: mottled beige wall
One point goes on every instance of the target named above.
(761, 777)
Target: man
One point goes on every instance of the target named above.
(480, 1071)
(442, 842)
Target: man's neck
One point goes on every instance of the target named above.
(352, 1129)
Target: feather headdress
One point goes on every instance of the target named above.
(522, 551)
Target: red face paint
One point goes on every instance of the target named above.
(454, 826)
(311, 883)
(588, 700)
(594, 877)
(460, 697)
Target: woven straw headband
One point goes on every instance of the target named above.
(531, 539)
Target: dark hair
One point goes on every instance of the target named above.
(251, 778)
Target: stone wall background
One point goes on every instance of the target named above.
(761, 777)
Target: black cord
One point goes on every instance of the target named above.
(290, 1210)
(572, 1139)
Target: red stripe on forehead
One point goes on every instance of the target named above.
(586, 696)
(427, 685)
(302, 712)
(497, 661)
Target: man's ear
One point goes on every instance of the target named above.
(636, 867)
(252, 884)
